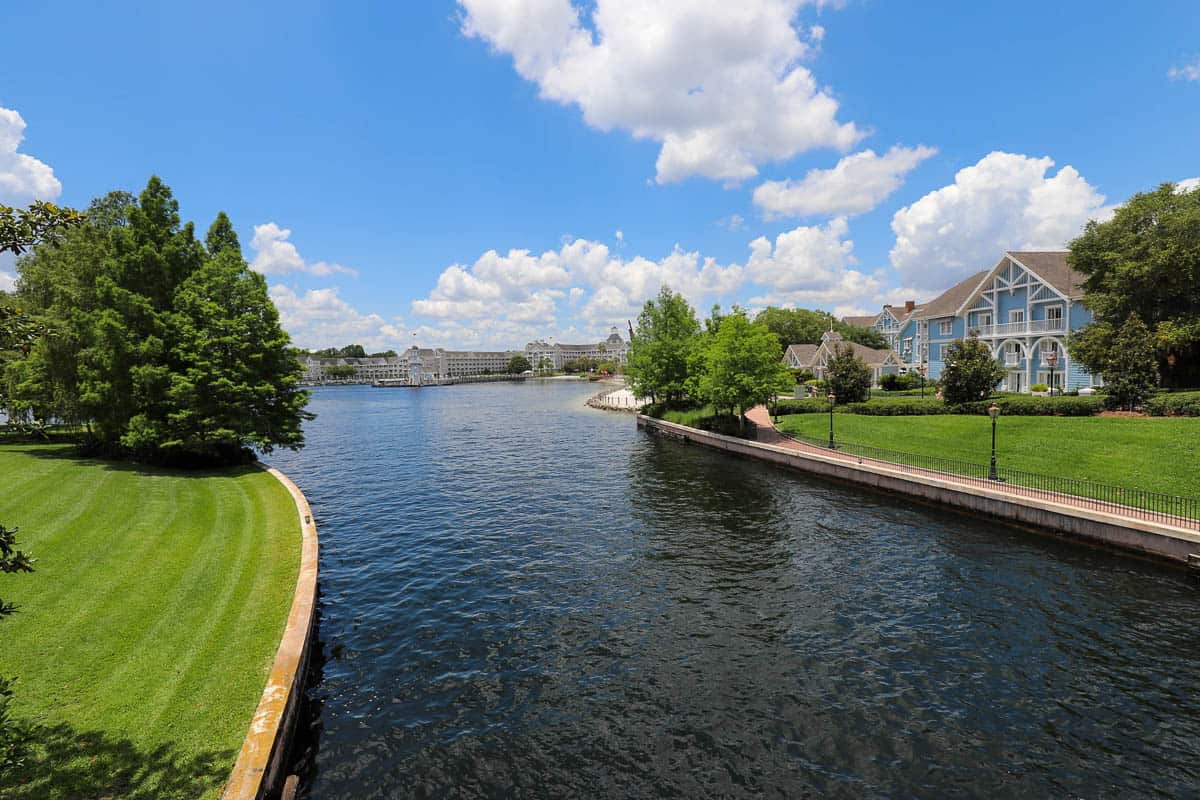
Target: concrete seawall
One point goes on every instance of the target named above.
(261, 768)
(1101, 527)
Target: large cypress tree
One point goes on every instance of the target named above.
(235, 382)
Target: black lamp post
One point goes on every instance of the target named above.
(993, 412)
(832, 400)
(1052, 361)
(921, 369)
(775, 398)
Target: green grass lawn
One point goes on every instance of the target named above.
(1160, 455)
(144, 638)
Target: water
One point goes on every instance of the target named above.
(523, 597)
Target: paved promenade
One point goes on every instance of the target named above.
(766, 433)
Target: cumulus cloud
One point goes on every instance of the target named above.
(718, 84)
(857, 184)
(1186, 72)
(1004, 202)
(22, 177)
(7, 281)
(1187, 185)
(812, 265)
(320, 318)
(734, 222)
(275, 255)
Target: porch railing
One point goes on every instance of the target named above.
(1026, 328)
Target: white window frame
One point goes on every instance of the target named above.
(946, 327)
(1043, 376)
(1016, 315)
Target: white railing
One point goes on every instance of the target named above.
(1012, 359)
(1026, 328)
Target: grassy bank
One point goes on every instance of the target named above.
(145, 636)
(1160, 455)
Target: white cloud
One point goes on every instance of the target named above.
(857, 184)
(1187, 185)
(1187, 72)
(1004, 202)
(734, 222)
(22, 177)
(809, 265)
(7, 281)
(717, 83)
(320, 318)
(275, 255)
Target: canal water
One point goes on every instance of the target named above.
(524, 597)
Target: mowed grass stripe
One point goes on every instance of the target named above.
(146, 635)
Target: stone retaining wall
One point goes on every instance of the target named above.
(1150, 538)
(261, 767)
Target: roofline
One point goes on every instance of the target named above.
(1024, 266)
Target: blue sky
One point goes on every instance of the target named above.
(488, 171)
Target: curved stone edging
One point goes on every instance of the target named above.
(261, 765)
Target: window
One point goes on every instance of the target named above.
(1054, 316)
(1016, 315)
(946, 327)
(984, 320)
(1049, 346)
(908, 346)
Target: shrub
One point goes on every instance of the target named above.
(971, 372)
(1175, 404)
(1039, 387)
(899, 407)
(1019, 405)
(810, 405)
(849, 377)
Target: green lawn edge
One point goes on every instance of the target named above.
(145, 637)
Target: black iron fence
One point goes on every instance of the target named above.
(1155, 506)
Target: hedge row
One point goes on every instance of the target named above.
(1012, 405)
(1174, 404)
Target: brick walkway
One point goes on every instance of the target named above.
(766, 433)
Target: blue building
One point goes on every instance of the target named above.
(1024, 309)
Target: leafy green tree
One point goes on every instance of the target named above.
(971, 372)
(1129, 368)
(517, 365)
(12, 734)
(1145, 261)
(848, 376)
(21, 229)
(339, 371)
(803, 326)
(221, 237)
(657, 362)
(740, 365)
(234, 381)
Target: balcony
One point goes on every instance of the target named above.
(1030, 327)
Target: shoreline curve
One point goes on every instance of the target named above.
(261, 766)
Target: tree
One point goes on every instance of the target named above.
(971, 372)
(1129, 367)
(517, 365)
(802, 326)
(657, 362)
(1145, 261)
(740, 365)
(21, 229)
(848, 375)
(234, 381)
(164, 348)
(339, 371)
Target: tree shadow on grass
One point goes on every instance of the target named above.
(62, 762)
(65, 452)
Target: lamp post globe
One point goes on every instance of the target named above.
(993, 412)
(832, 399)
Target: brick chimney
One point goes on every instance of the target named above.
(909, 305)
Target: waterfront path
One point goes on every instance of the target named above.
(767, 433)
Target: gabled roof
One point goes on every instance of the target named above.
(948, 302)
(1052, 267)
(804, 353)
(870, 356)
(861, 322)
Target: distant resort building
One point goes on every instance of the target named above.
(1023, 308)
(422, 365)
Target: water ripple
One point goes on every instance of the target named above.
(522, 597)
